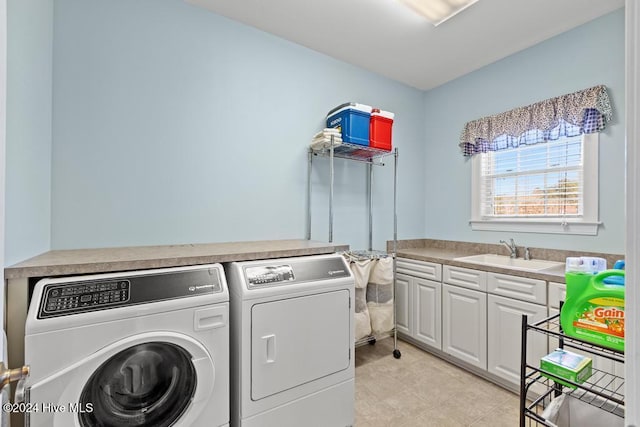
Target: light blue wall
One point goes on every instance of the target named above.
(175, 125)
(583, 57)
(28, 143)
(171, 124)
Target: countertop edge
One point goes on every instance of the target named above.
(447, 257)
(72, 268)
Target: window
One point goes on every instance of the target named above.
(550, 187)
(535, 168)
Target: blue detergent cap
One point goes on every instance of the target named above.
(619, 265)
(614, 280)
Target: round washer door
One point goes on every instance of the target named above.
(147, 380)
(149, 384)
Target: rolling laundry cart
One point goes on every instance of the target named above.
(384, 293)
(550, 401)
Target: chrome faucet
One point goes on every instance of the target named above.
(512, 248)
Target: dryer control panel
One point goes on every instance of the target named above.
(269, 275)
(260, 274)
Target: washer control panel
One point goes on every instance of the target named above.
(65, 298)
(268, 275)
(82, 294)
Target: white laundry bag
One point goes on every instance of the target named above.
(361, 271)
(380, 295)
(362, 325)
(569, 411)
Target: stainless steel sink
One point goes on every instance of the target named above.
(505, 261)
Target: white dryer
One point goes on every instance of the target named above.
(292, 346)
(144, 348)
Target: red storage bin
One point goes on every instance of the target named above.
(380, 129)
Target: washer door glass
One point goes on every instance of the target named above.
(149, 384)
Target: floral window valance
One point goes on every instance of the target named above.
(585, 111)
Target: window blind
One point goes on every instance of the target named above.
(542, 180)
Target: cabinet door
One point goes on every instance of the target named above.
(402, 298)
(465, 277)
(464, 324)
(504, 330)
(427, 312)
(516, 287)
(421, 269)
(557, 293)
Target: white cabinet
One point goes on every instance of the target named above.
(402, 303)
(509, 298)
(475, 316)
(465, 277)
(427, 312)
(464, 324)
(482, 318)
(557, 293)
(423, 269)
(464, 314)
(504, 331)
(419, 301)
(517, 287)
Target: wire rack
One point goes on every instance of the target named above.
(551, 326)
(603, 390)
(345, 150)
(359, 255)
(372, 157)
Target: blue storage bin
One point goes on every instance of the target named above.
(353, 120)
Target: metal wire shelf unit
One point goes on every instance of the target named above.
(372, 157)
(345, 150)
(603, 390)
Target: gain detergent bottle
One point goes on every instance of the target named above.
(594, 309)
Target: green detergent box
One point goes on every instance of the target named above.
(567, 365)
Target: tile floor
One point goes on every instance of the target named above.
(420, 389)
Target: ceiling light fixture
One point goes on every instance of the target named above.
(438, 11)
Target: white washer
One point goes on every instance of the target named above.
(292, 346)
(143, 348)
(4, 392)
